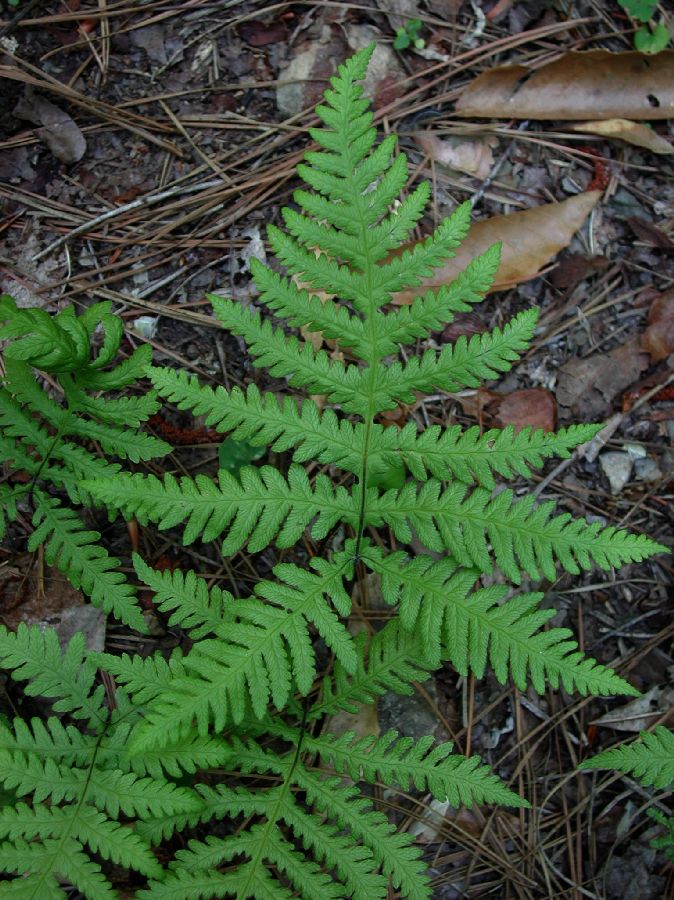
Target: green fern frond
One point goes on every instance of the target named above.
(426, 765)
(54, 859)
(65, 676)
(83, 560)
(474, 456)
(258, 507)
(286, 356)
(392, 660)
(467, 363)
(264, 651)
(266, 419)
(523, 537)
(125, 443)
(650, 758)
(394, 852)
(301, 308)
(435, 309)
(470, 628)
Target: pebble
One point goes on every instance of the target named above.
(617, 467)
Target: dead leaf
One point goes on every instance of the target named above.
(474, 157)
(589, 386)
(463, 323)
(535, 407)
(57, 129)
(576, 267)
(257, 34)
(593, 84)
(649, 233)
(658, 338)
(631, 132)
(529, 239)
(639, 713)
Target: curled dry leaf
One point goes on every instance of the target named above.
(58, 131)
(474, 157)
(535, 407)
(594, 84)
(529, 240)
(658, 339)
(631, 132)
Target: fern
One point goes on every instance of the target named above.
(250, 691)
(36, 432)
(650, 759)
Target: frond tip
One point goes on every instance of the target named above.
(650, 758)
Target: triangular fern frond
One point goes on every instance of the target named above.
(83, 560)
(650, 758)
(265, 649)
(65, 676)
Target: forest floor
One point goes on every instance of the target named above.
(144, 147)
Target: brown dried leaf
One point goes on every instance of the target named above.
(658, 339)
(649, 233)
(529, 239)
(531, 406)
(594, 84)
(474, 157)
(58, 130)
(576, 267)
(588, 386)
(631, 132)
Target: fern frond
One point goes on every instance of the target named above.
(470, 628)
(287, 357)
(266, 419)
(650, 758)
(424, 764)
(392, 660)
(466, 363)
(435, 309)
(266, 649)
(472, 456)
(63, 859)
(65, 676)
(129, 411)
(523, 537)
(394, 852)
(258, 507)
(301, 308)
(111, 840)
(125, 443)
(83, 560)
(125, 373)
(109, 790)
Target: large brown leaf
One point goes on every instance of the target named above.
(529, 239)
(595, 84)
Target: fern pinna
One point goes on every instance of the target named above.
(284, 821)
(650, 759)
(44, 432)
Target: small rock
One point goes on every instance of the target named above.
(647, 470)
(617, 467)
